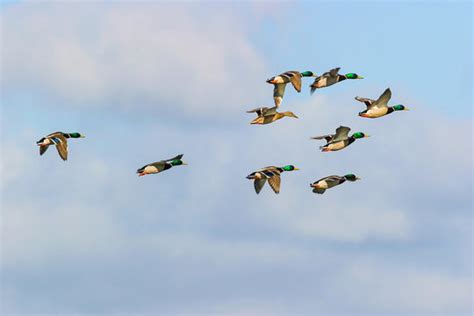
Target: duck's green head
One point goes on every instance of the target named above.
(400, 107)
(359, 135)
(352, 75)
(76, 135)
(351, 177)
(289, 168)
(307, 74)
(177, 162)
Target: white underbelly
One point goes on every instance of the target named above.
(336, 146)
(151, 169)
(377, 112)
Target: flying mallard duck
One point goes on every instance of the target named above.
(60, 140)
(159, 166)
(339, 140)
(331, 77)
(272, 174)
(379, 107)
(323, 184)
(280, 82)
(269, 115)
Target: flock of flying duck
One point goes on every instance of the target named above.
(334, 142)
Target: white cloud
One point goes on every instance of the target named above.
(201, 229)
(157, 58)
(85, 226)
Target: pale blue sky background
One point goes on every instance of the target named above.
(145, 81)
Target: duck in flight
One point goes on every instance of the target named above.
(331, 77)
(340, 140)
(161, 165)
(272, 174)
(378, 108)
(325, 183)
(281, 80)
(269, 115)
(59, 139)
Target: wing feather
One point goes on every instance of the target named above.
(258, 184)
(274, 182)
(368, 102)
(43, 149)
(61, 144)
(334, 72)
(278, 92)
(342, 133)
(62, 150)
(295, 79)
(318, 190)
(174, 158)
(328, 138)
(384, 98)
(259, 111)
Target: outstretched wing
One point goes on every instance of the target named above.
(62, 150)
(269, 171)
(318, 190)
(333, 72)
(43, 149)
(328, 138)
(295, 79)
(258, 184)
(274, 182)
(259, 111)
(174, 158)
(333, 180)
(270, 111)
(368, 102)
(384, 98)
(61, 144)
(278, 92)
(342, 133)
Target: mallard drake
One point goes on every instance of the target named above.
(272, 174)
(339, 140)
(331, 77)
(323, 184)
(160, 166)
(269, 115)
(60, 140)
(379, 107)
(281, 80)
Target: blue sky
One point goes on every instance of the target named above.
(145, 81)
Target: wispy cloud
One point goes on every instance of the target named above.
(88, 236)
(151, 58)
